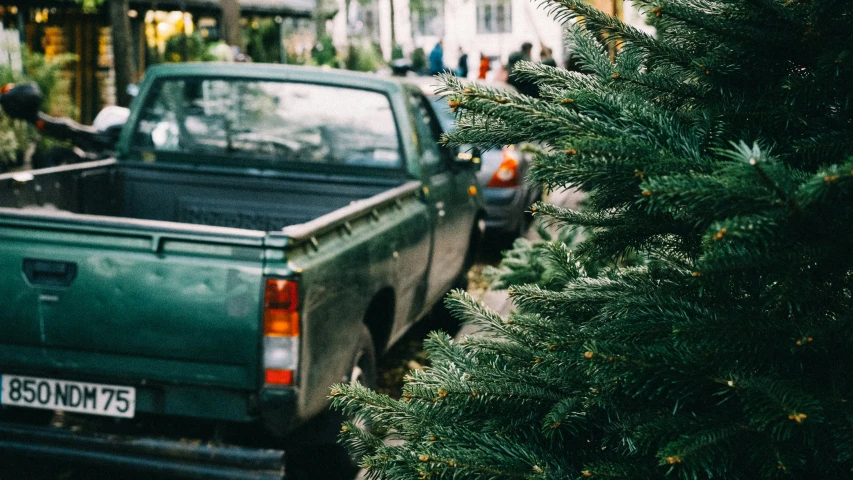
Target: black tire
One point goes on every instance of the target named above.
(364, 363)
(328, 459)
(440, 317)
(324, 429)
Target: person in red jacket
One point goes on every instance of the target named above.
(484, 67)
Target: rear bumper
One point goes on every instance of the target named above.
(155, 456)
(277, 408)
(504, 208)
(197, 402)
(274, 407)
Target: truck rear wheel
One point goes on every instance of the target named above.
(326, 458)
(364, 364)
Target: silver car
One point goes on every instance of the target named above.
(506, 194)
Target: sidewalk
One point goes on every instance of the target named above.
(498, 300)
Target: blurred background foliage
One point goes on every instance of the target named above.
(18, 137)
(365, 57)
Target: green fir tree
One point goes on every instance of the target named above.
(718, 154)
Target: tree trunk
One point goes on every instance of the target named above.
(393, 29)
(320, 19)
(347, 4)
(231, 22)
(123, 57)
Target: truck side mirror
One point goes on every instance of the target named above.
(468, 158)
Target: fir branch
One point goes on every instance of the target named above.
(726, 354)
(359, 442)
(712, 450)
(777, 407)
(588, 19)
(463, 306)
(566, 417)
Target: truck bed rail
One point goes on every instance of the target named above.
(151, 455)
(304, 231)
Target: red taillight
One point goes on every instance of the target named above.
(281, 331)
(281, 304)
(507, 174)
(278, 377)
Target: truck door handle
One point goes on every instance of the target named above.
(49, 273)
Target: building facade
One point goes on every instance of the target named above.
(494, 28)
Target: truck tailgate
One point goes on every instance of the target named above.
(130, 305)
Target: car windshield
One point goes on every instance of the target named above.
(274, 122)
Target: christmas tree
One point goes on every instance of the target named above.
(717, 156)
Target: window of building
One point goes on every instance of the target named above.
(428, 17)
(494, 16)
(363, 20)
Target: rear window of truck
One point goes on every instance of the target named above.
(274, 122)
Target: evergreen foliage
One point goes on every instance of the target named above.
(16, 136)
(719, 153)
(365, 57)
(263, 44)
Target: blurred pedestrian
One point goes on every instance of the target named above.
(515, 57)
(484, 66)
(436, 59)
(523, 86)
(462, 66)
(546, 57)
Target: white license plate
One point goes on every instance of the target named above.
(93, 398)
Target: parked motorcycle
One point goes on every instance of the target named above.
(89, 142)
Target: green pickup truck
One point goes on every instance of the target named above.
(263, 232)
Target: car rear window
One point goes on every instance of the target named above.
(274, 122)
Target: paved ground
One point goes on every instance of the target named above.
(498, 300)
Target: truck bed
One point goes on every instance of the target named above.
(124, 274)
(264, 201)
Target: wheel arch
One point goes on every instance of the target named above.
(379, 318)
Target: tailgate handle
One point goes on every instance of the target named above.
(49, 273)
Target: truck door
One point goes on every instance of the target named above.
(452, 205)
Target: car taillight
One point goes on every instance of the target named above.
(506, 175)
(281, 331)
(278, 377)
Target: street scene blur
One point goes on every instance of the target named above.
(213, 211)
